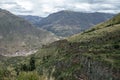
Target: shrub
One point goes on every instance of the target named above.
(116, 46)
(32, 63)
(30, 66)
(28, 76)
(24, 67)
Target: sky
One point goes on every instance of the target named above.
(45, 7)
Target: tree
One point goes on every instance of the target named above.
(116, 46)
(32, 63)
(24, 67)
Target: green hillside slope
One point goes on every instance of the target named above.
(90, 55)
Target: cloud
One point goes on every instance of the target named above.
(45, 7)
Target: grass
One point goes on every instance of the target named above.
(93, 54)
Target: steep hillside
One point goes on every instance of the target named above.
(91, 55)
(66, 23)
(99, 30)
(19, 36)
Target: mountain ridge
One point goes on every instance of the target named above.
(33, 19)
(66, 23)
(17, 34)
(91, 55)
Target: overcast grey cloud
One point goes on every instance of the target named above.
(45, 7)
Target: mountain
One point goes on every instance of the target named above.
(19, 36)
(35, 20)
(91, 55)
(66, 23)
